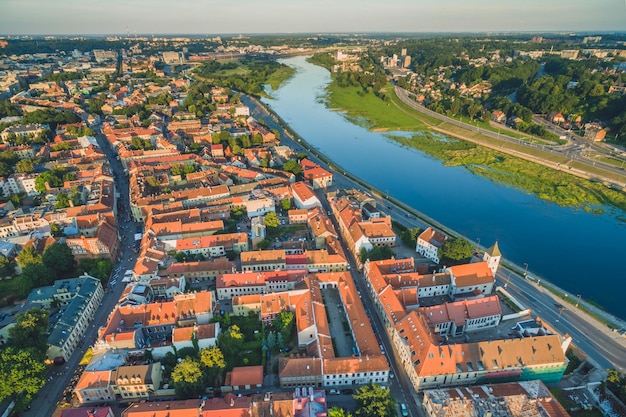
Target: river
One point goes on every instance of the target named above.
(574, 249)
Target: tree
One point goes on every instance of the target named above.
(97, 268)
(237, 212)
(52, 179)
(21, 375)
(7, 267)
(230, 343)
(285, 204)
(292, 166)
(338, 412)
(59, 259)
(264, 244)
(213, 361)
(56, 230)
(271, 340)
(25, 166)
(28, 255)
(455, 251)
(374, 401)
(36, 275)
(271, 220)
(283, 323)
(188, 379)
(212, 358)
(30, 330)
(63, 201)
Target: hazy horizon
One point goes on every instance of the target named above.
(90, 17)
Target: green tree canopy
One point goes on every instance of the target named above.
(21, 375)
(28, 255)
(271, 220)
(25, 166)
(30, 330)
(374, 401)
(59, 259)
(97, 268)
(35, 275)
(292, 166)
(230, 343)
(285, 204)
(455, 251)
(284, 323)
(7, 267)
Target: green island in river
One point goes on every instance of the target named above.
(369, 110)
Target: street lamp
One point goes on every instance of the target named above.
(560, 312)
(508, 279)
(577, 300)
(525, 269)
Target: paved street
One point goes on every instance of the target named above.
(603, 346)
(45, 404)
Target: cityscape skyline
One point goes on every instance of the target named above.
(39, 17)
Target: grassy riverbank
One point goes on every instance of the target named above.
(548, 184)
(366, 109)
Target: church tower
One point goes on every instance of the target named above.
(492, 256)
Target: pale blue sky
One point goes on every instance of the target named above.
(272, 16)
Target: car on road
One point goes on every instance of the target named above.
(403, 410)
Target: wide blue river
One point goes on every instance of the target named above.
(576, 250)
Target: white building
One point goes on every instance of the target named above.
(429, 242)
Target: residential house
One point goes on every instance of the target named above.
(94, 387)
(136, 381)
(246, 378)
(317, 176)
(304, 197)
(429, 242)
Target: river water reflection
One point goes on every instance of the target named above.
(579, 251)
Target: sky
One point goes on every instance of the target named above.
(212, 17)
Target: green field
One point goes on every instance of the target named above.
(369, 111)
(278, 77)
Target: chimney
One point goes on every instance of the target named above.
(232, 402)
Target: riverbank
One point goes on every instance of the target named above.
(593, 313)
(548, 176)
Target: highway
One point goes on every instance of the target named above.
(604, 347)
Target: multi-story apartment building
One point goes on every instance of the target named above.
(68, 331)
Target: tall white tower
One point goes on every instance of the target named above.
(492, 256)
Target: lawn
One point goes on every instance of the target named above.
(370, 111)
(278, 77)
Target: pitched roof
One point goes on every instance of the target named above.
(494, 250)
(247, 375)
